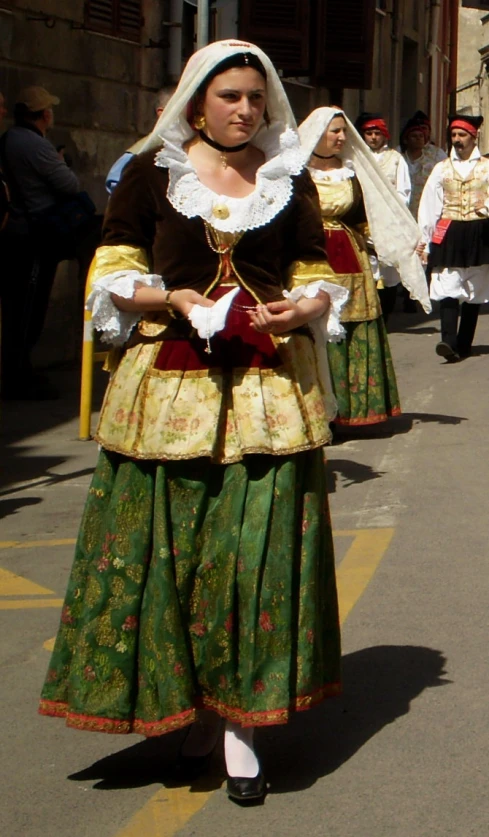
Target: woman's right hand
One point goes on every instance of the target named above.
(184, 300)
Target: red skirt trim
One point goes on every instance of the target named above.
(91, 723)
(359, 422)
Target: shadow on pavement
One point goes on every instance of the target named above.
(477, 351)
(12, 506)
(22, 420)
(392, 427)
(146, 763)
(351, 473)
(379, 685)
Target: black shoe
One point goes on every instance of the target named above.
(445, 350)
(246, 790)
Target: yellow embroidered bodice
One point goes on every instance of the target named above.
(460, 197)
(336, 199)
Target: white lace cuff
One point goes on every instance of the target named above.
(115, 324)
(329, 322)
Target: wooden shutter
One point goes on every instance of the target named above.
(282, 29)
(128, 20)
(116, 17)
(99, 14)
(345, 43)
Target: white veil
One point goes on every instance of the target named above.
(173, 120)
(393, 229)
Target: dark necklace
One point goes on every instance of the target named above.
(322, 157)
(224, 149)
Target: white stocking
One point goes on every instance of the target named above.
(241, 760)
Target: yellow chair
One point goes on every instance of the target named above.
(89, 357)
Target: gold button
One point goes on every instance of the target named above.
(220, 210)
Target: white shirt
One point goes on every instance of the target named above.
(431, 204)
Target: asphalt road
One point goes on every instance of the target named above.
(405, 751)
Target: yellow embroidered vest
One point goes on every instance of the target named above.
(461, 196)
(388, 161)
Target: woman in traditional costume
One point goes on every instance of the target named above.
(358, 202)
(203, 586)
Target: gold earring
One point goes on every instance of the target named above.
(199, 122)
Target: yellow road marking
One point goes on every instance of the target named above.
(29, 604)
(32, 544)
(359, 564)
(49, 644)
(169, 810)
(165, 813)
(15, 585)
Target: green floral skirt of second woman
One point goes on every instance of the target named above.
(362, 374)
(198, 585)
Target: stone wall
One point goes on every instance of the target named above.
(107, 89)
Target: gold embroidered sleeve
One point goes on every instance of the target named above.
(108, 259)
(303, 273)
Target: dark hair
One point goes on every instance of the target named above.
(22, 114)
(240, 59)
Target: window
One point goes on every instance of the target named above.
(330, 41)
(345, 43)
(281, 29)
(121, 18)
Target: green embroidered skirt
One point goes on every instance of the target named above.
(362, 374)
(198, 585)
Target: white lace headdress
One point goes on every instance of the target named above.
(198, 67)
(394, 231)
(278, 140)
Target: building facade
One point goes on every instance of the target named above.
(473, 66)
(106, 59)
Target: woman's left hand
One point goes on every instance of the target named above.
(285, 315)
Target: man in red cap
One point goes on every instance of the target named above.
(373, 129)
(454, 220)
(420, 155)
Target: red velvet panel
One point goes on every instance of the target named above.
(237, 345)
(341, 255)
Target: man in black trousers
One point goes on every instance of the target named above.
(454, 221)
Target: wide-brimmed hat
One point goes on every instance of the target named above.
(36, 98)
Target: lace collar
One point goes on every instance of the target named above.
(271, 194)
(333, 175)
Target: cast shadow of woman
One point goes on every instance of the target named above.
(379, 685)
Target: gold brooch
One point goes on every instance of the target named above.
(221, 211)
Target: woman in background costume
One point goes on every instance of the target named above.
(357, 201)
(203, 586)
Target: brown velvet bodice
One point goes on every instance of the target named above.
(139, 214)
